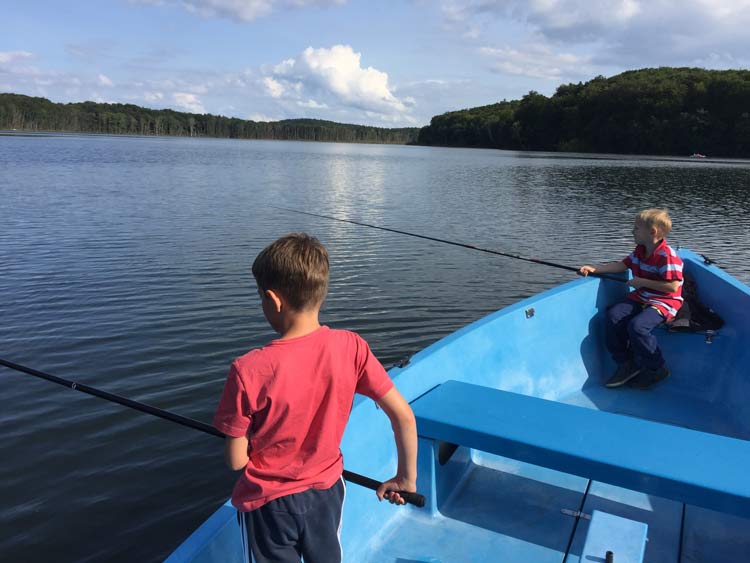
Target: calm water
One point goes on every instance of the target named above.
(124, 264)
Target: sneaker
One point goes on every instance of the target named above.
(647, 378)
(624, 373)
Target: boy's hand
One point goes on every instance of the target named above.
(586, 270)
(389, 489)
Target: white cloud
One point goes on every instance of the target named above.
(7, 57)
(98, 98)
(153, 96)
(311, 104)
(577, 39)
(273, 87)
(189, 102)
(584, 18)
(335, 75)
(261, 117)
(247, 10)
(241, 10)
(238, 80)
(537, 61)
(547, 15)
(178, 93)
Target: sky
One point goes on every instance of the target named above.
(382, 63)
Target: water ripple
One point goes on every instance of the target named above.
(125, 264)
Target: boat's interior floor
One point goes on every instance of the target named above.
(505, 510)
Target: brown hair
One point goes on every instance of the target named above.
(658, 218)
(296, 265)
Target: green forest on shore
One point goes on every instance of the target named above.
(661, 111)
(25, 113)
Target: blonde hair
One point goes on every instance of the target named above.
(658, 218)
(296, 265)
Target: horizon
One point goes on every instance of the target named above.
(348, 61)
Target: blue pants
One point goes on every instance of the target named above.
(305, 524)
(629, 334)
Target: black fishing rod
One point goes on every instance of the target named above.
(462, 245)
(412, 498)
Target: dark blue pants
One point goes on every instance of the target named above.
(306, 524)
(629, 334)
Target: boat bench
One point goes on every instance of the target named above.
(685, 465)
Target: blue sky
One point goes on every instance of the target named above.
(383, 63)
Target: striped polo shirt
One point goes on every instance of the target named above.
(662, 265)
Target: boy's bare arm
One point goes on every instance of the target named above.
(608, 268)
(405, 434)
(235, 452)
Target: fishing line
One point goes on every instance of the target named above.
(444, 241)
(412, 498)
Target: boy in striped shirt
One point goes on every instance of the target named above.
(657, 279)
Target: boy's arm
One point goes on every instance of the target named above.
(658, 285)
(232, 418)
(405, 434)
(235, 452)
(608, 268)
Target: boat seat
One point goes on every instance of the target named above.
(689, 466)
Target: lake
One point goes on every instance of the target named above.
(125, 265)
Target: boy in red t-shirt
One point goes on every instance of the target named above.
(657, 279)
(285, 406)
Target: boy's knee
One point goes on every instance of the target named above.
(616, 313)
(638, 327)
(611, 316)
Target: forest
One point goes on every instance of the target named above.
(39, 114)
(660, 111)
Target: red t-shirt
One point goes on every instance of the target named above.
(292, 399)
(664, 265)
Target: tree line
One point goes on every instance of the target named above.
(40, 114)
(658, 111)
(676, 111)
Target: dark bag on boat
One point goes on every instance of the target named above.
(693, 316)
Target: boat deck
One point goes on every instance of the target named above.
(503, 506)
(492, 512)
(498, 511)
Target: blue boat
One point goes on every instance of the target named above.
(524, 455)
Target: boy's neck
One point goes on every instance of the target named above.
(651, 246)
(298, 323)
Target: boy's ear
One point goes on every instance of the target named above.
(276, 298)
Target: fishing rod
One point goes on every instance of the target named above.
(412, 498)
(444, 241)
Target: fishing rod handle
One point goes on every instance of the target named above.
(412, 498)
(416, 499)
